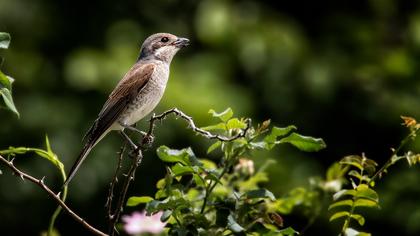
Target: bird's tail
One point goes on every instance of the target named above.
(82, 156)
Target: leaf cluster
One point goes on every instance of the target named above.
(201, 197)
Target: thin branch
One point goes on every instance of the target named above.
(192, 125)
(41, 184)
(108, 204)
(395, 152)
(122, 196)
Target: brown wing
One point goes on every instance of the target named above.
(126, 90)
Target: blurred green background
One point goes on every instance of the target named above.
(341, 70)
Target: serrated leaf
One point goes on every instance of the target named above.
(8, 100)
(233, 225)
(235, 123)
(339, 215)
(224, 115)
(214, 146)
(341, 203)
(179, 170)
(344, 192)
(304, 143)
(134, 201)
(260, 193)
(359, 218)
(4, 40)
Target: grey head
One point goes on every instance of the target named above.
(161, 46)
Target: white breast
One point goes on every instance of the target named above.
(148, 98)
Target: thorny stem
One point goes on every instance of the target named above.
(40, 183)
(108, 204)
(59, 208)
(192, 125)
(129, 178)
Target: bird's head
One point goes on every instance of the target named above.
(162, 46)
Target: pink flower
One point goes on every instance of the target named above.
(140, 223)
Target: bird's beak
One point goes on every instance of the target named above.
(181, 42)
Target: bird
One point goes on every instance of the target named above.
(136, 94)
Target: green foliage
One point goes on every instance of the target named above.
(200, 197)
(50, 156)
(6, 81)
(362, 173)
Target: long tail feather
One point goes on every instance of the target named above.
(92, 141)
(82, 156)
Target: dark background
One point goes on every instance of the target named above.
(341, 70)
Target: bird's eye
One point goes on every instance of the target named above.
(164, 39)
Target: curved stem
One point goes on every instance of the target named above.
(40, 183)
(59, 208)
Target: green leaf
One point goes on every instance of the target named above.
(356, 174)
(179, 170)
(362, 202)
(214, 146)
(212, 176)
(260, 193)
(344, 192)
(235, 123)
(184, 156)
(363, 191)
(166, 215)
(134, 201)
(8, 100)
(347, 202)
(271, 139)
(304, 143)
(4, 40)
(339, 215)
(288, 231)
(233, 225)
(224, 115)
(220, 126)
(198, 180)
(359, 218)
(352, 160)
(353, 232)
(5, 81)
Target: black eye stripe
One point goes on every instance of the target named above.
(164, 39)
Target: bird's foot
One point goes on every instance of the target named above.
(147, 140)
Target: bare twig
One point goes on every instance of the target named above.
(56, 197)
(192, 125)
(108, 204)
(137, 158)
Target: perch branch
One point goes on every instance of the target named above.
(192, 125)
(56, 197)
